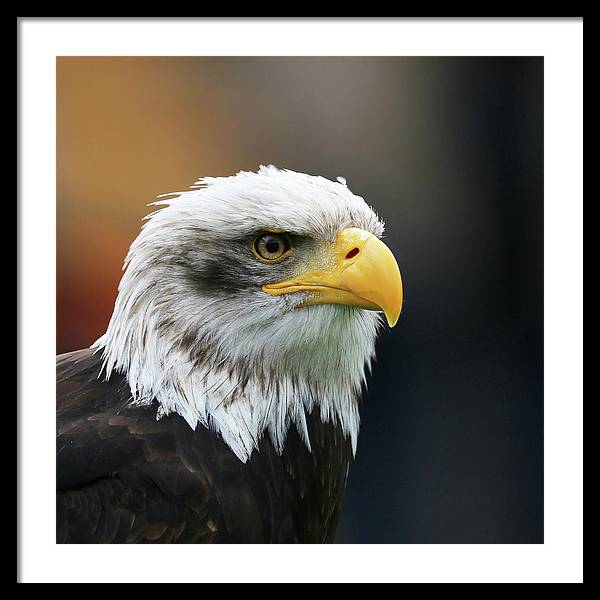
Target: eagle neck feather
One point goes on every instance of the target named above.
(249, 383)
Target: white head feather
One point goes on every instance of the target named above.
(235, 359)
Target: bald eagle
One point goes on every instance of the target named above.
(222, 403)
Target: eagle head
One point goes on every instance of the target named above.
(249, 301)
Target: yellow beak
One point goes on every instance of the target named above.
(361, 271)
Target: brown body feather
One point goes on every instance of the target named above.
(124, 477)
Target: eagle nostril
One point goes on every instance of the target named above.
(352, 253)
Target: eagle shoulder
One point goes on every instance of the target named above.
(125, 477)
(121, 475)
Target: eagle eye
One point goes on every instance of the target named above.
(272, 247)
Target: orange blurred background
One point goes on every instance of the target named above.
(127, 130)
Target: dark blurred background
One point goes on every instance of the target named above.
(450, 153)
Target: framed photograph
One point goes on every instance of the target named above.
(287, 291)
